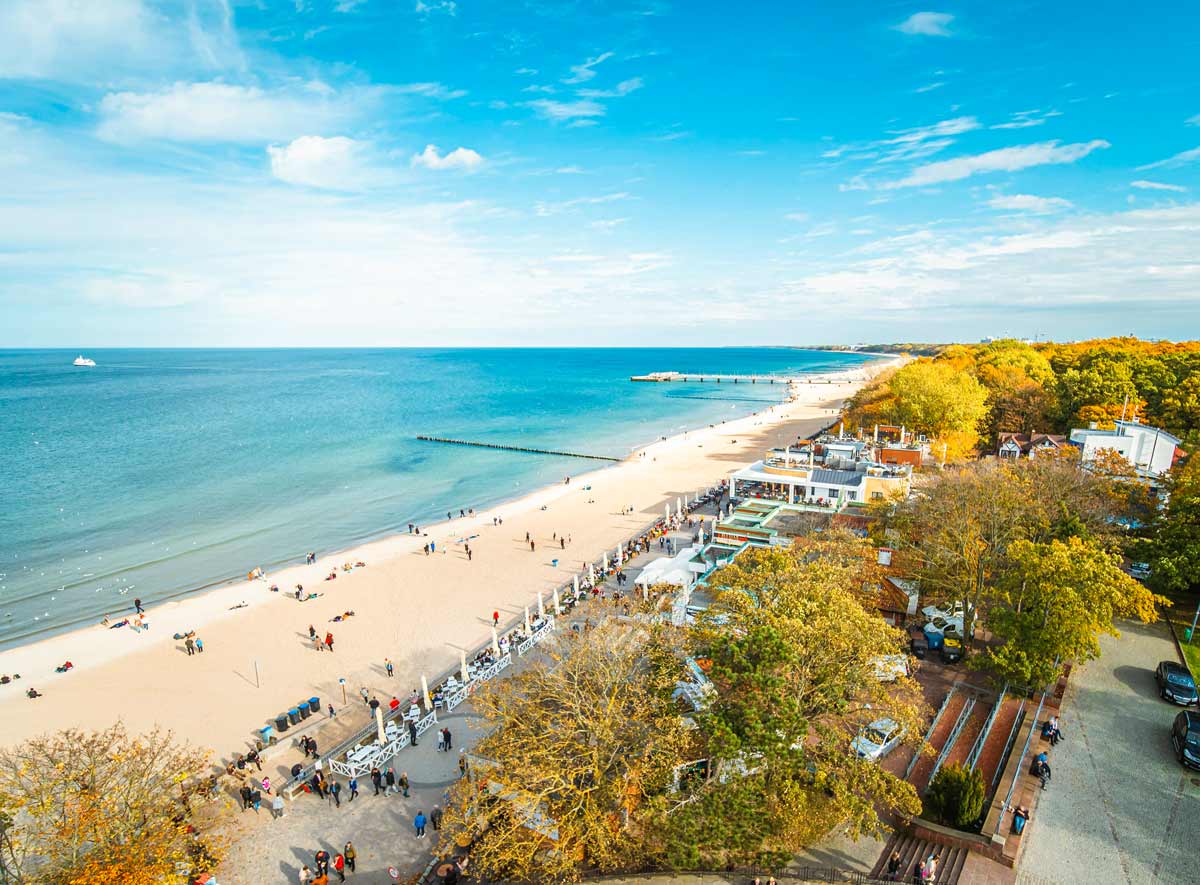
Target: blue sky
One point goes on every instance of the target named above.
(422, 172)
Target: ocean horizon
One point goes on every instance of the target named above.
(162, 472)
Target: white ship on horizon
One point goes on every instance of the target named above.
(82, 360)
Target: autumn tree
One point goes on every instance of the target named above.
(793, 644)
(1173, 547)
(929, 397)
(1053, 604)
(956, 534)
(580, 751)
(98, 807)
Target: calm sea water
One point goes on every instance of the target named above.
(162, 471)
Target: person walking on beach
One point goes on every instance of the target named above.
(332, 712)
(339, 867)
(426, 549)
(462, 764)
(435, 817)
(366, 695)
(351, 855)
(317, 644)
(376, 779)
(446, 735)
(412, 732)
(532, 546)
(387, 665)
(468, 546)
(321, 859)
(277, 807)
(495, 619)
(312, 632)
(335, 790)
(306, 875)
(199, 646)
(419, 824)
(390, 779)
(137, 607)
(352, 784)
(245, 793)
(329, 640)
(190, 645)
(404, 783)
(253, 756)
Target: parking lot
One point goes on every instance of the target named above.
(1119, 808)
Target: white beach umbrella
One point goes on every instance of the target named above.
(604, 562)
(668, 510)
(495, 641)
(557, 606)
(541, 606)
(527, 627)
(425, 691)
(462, 660)
(575, 585)
(591, 574)
(619, 557)
(379, 726)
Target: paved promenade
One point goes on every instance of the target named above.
(1120, 810)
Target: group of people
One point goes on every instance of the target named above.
(924, 873)
(318, 643)
(323, 862)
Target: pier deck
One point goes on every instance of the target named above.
(661, 377)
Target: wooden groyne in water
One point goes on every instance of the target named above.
(526, 449)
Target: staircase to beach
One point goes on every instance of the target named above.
(914, 849)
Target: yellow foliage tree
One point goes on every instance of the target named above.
(99, 807)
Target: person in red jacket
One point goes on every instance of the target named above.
(339, 867)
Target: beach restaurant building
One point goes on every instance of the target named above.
(791, 478)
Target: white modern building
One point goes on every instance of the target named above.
(1149, 450)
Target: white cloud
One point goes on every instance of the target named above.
(545, 209)
(929, 87)
(558, 111)
(797, 216)
(459, 158)
(1029, 203)
(77, 40)
(1142, 184)
(583, 72)
(1193, 121)
(219, 112)
(430, 90)
(430, 7)
(347, 6)
(623, 88)
(1180, 159)
(928, 24)
(547, 90)
(570, 170)
(527, 72)
(336, 163)
(1026, 119)
(1010, 159)
(906, 144)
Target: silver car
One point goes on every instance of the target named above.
(878, 739)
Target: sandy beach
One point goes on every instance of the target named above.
(417, 610)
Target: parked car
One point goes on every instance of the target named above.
(941, 624)
(1139, 570)
(1175, 683)
(889, 668)
(950, 612)
(1185, 738)
(918, 645)
(878, 739)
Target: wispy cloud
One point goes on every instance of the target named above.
(432, 7)
(1142, 184)
(928, 24)
(459, 158)
(559, 111)
(1010, 159)
(1029, 203)
(581, 73)
(347, 6)
(526, 72)
(623, 88)
(221, 112)
(1026, 119)
(1180, 159)
(547, 208)
(1193, 121)
(430, 90)
(929, 87)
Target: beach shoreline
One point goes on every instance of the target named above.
(151, 665)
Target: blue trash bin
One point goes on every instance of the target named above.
(303, 708)
(314, 704)
(294, 716)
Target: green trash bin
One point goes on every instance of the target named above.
(1187, 634)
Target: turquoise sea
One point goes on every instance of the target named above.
(159, 472)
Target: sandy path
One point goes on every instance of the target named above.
(416, 609)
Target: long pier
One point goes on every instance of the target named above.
(663, 377)
(526, 449)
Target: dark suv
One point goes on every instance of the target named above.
(1185, 738)
(1175, 683)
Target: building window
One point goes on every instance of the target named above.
(850, 496)
(833, 493)
(876, 496)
